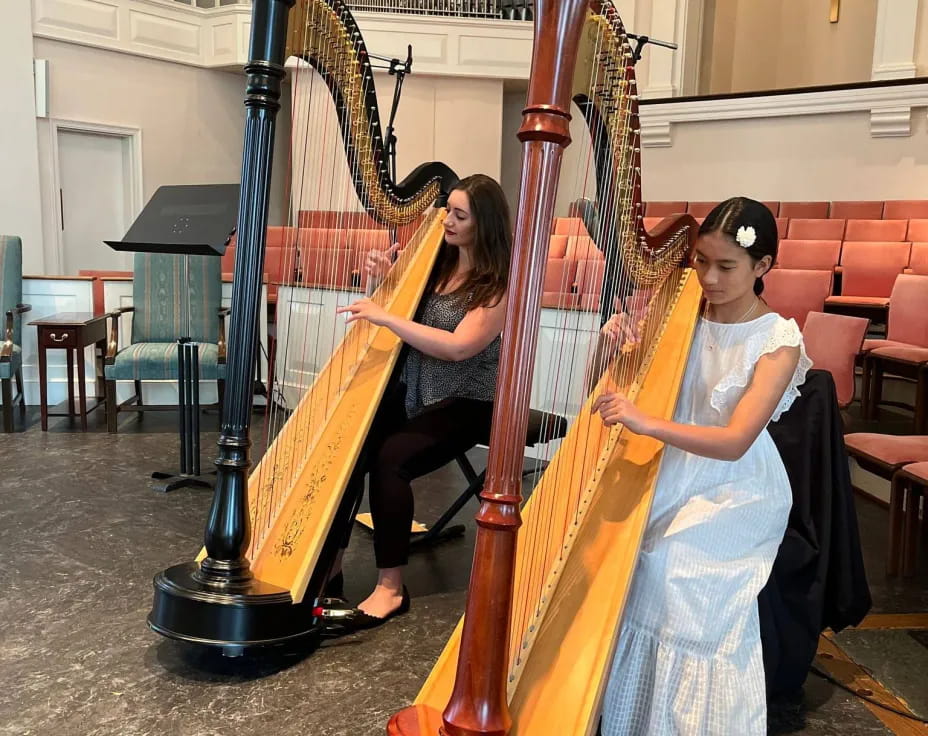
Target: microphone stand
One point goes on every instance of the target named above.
(642, 41)
(399, 69)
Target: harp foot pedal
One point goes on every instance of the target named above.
(416, 720)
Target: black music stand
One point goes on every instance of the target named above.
(187, 220)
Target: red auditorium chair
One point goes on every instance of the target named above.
(904, 352)
(868, 272)
(909, 490)
(557, 247)
(782, 227)
(905, 209)
(559, 287)
(326, 267)
(917, 231)
(590, 275)
(804, 209)
(664, 209)
(883, 231)
(794, 293)
(569, 226)
(907, 321)
(582, 248)
(774, 208)
(918, 260)
(700, 210)
(859, 210)
(884, 455)
(833, 342)
(818, 229)
(813, 255)
(651, 223)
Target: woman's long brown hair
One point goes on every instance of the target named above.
(489, 275)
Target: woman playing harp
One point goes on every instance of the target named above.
(441, 400)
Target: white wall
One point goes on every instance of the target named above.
(921, 40)
(513, 103)
(20, 213)
(577, 176)
(810, 157)
(192, 120)
(453, 120)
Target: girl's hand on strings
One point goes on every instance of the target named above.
(616, 408)
(365, 309)
(378, 262)
(620, 327)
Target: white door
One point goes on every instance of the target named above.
(96, 203)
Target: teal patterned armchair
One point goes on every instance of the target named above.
(11, 354)
(159, 318)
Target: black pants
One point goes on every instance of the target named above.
(398, 450)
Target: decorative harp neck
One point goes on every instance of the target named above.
(324, 34)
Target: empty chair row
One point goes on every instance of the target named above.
(876, 230)
(573, 284)
(796, 293)
(903, 209)
(824, 229)
(651, 224)
(828, 254)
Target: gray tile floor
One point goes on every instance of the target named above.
(81, 536)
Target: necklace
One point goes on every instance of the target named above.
(711, 343)
(748, 313)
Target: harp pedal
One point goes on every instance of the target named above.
(367, 522)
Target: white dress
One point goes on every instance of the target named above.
(689, 658)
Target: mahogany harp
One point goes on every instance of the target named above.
(267, 538)
(549, 581)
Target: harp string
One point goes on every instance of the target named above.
(330, 262)
(644, 286)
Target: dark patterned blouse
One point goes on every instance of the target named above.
(429, 380)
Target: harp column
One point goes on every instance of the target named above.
(478, 704)
(227, 528)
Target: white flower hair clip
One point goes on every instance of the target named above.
(746, 237)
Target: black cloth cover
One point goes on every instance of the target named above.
(818, 579)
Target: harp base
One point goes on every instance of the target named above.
(256, 616)
(416, 720)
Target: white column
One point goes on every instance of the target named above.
(20, 205)
(673, 73)
(894, 43)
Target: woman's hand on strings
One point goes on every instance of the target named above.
(617, 408)
(367, 310)
(378, 262)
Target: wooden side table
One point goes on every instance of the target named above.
(71, 332)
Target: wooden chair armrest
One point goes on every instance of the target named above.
(221, 342)
(112, 345)
(6, 351)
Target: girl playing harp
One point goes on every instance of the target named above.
(689, 655)
(441, 399)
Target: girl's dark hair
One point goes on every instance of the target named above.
(489, 275)
(738, 212)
